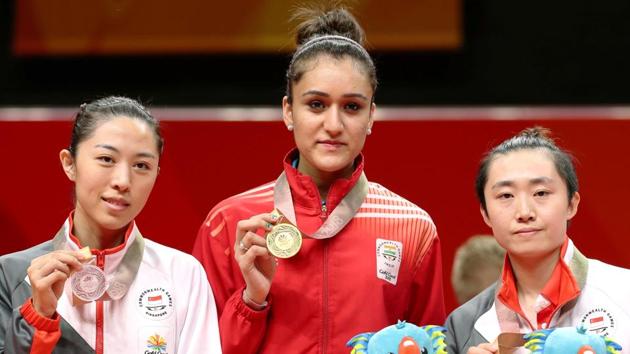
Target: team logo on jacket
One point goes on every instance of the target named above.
(598, 321)
(155, 303)
(388, 259)
(156, 344)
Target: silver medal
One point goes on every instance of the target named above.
(88, 284)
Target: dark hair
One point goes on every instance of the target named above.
(529, 139)
(340, 35)
(91, 114)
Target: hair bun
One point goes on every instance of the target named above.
(536, 132)
(329, 19)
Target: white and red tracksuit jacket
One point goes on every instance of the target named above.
(334, 288)
(581, 292)
(168, 308)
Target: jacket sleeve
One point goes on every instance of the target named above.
(461, 332)
(451, 339)
(242, 329)
(427, 305)
(200, 331)
(25, 331)
(22, 329)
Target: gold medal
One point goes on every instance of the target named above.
(284, 240)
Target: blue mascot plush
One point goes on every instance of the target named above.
(569, 340)
(401, 338)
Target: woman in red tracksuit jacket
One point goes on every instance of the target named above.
(368, 257)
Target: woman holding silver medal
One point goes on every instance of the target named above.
(302, 264)
(98, 286)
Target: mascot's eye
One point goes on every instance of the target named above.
(425, 350)
(586, 349)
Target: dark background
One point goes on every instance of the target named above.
(514, 53)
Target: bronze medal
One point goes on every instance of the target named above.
(284, 240)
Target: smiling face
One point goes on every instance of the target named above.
(114, 171)
(527, 205)
(331, 113)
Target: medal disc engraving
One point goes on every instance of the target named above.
(284, 240)
(116, 289)
(89, 283)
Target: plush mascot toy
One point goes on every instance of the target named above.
(401, 338)
(569, 340)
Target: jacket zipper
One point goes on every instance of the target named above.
(325, 299)
(534, 328)
(324, 215)
(100, 262)
(555, 312)
(324, 211)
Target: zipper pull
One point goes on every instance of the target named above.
(324, 213)
(100, 260)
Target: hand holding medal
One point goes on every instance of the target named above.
(47, 275)
(257, 264)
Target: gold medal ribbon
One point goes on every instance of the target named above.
(338, 218)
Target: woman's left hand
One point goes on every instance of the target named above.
(257, 265)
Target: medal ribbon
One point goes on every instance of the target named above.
(337, 220)
(126, 270)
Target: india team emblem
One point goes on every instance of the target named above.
(155, 303)
(599, 321)
(390, 252)
(388, 259)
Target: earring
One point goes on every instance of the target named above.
(290, 127)
(369, 131)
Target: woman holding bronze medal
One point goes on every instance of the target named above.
(302, 264)
(527, 188)
(98, 286)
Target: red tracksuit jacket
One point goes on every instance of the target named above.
(385, 265)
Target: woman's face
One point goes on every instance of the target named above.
(114, 171)
(330, 114)
(527, 204)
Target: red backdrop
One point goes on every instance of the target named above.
(431, 163)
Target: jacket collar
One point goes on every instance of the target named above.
(120, 263)
(71, 238)
(566, 282)
(502, 317)
(305, 192)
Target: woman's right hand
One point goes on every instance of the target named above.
(484, 348)
(48, 274)
(257, 264)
